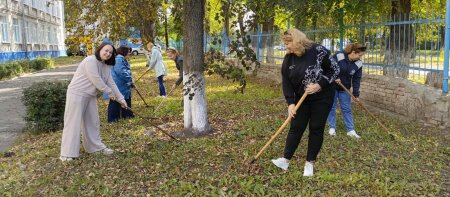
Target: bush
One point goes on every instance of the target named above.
(10, 69)
(16, 68)
(43, 63)
(26, 65)
(3, 71)
(45, 102)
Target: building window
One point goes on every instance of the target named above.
(41, 34)
(3, 3)
(58, 11)
(27, 31)
(55, 38)
(4, 29)
(49, 35)
(34, 32)
(26, 10)
(16, 30)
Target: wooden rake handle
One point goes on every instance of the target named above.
(286, 122)
(141, 76)
(364, 107)
(151, 123)
(137, 91)
(162, 101)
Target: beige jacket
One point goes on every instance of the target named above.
(93, 75)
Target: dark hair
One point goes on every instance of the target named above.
(112, 60)
(354, 47)
(123, 50)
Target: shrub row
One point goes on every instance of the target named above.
(16, 68)
(45, 102)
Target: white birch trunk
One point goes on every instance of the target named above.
(195, 111)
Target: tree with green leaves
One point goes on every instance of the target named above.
(113, 19)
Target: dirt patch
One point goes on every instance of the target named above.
(12, 109)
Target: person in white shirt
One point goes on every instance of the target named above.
(81, 111)
(156, 62)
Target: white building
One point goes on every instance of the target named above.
(31, 28)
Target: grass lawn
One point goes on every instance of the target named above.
(151, 163)
(61, 61)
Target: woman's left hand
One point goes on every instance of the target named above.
(312, 88)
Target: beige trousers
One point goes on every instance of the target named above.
(81, 117)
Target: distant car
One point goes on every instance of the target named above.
(138, 50)
(279, 47)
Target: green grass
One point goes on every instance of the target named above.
(374, 165)
(62, 61)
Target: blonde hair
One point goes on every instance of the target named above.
(354, 47)
(149, 45)
(172, 50)
(299, 41)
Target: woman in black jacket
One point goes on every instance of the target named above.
(307, 69)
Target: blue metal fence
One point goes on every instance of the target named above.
(406, 46)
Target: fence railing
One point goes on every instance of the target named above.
(406, 46)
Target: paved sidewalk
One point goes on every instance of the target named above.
(12, 110)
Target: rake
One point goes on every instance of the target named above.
(286, 122)
(364, 107)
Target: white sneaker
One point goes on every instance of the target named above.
(332, 132)
(282, 163)
(309, 169)
(107, 151)
(352, 133)
(62, 158)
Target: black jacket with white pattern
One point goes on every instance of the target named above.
(316, 65)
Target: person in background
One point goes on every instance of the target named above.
(121, 73)
(156, 62)
(172, 53)
(307, 69)
(81, 110)
(350, 64)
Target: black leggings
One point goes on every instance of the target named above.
(315, 113)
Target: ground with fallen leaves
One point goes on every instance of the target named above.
(146, 162)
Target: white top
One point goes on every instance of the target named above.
(93, 75)
(156, 62)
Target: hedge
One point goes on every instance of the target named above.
(45, 102)
(17, 68)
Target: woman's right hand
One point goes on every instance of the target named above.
(291, 110)
(112, 96)
(123, 104)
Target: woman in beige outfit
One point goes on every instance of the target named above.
(81, 112)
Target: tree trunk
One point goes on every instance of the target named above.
(442, 39)
(399, 50)
(269, 42)
(148, 32)
(314, 21)
(226, 20)
(413, 49)
(195, 113)
(166, 33)
(240, 19)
